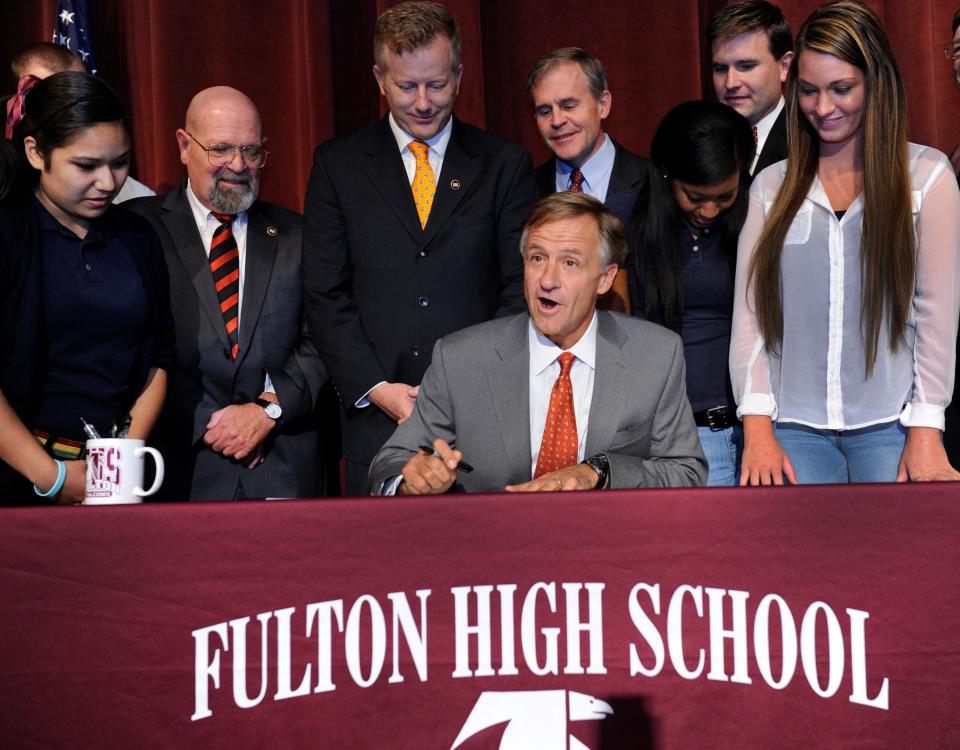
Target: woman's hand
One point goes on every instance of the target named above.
(924, 458)
(764, 461)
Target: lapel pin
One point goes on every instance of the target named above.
(272, 231)
(454, 184)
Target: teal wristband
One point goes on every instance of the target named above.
(61, 476)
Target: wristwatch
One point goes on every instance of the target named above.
(600, 464)
(272, 410)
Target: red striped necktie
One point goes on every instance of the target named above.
(225, 265)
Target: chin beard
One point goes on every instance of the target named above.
(238, 198)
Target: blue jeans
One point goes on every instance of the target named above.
(723, 449)
(870, 454)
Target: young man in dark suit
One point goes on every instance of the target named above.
(411, 231)
(752, 46)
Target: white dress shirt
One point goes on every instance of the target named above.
(763, 130)
(544, 371)
(596, 171)
(818, 377)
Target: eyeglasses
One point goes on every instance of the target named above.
(222, 154)
(951, 52)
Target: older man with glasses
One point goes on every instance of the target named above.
(238, 422)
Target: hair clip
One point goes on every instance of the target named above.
(15, 105)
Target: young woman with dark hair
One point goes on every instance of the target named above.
(848, 278)
(681, 270)
(85, 330)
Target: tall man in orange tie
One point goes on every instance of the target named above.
(562, 397)
(238, 421)
(411, 231)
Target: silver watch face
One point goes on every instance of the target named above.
(273, 411)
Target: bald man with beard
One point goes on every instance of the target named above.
(239, 420)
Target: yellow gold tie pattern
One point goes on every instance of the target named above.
(424, 181)
(558, 449)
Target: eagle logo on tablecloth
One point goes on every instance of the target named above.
(535, 718)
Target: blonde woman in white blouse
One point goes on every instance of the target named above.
(848, 277)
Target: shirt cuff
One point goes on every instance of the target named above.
(389, 486)
(363, 402)
(268, 385)
(923, 415)
(758, 405)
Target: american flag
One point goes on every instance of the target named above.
(72, 30)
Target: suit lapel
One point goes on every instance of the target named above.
(460, 169)
(509, 382)
(625, 175)
(179, 222)
(610, 385)
(383, 166)
(261, 252)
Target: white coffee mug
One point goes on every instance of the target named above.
(115, 471)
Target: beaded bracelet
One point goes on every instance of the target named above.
(61, 476)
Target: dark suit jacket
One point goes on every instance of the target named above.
(628, 177)
(775, 147)
(379, 289)
(273, 339)
(476, 396)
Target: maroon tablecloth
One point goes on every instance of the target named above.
(792, 617)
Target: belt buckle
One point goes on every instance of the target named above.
(716, 418)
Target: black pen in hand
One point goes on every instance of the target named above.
(462, 466)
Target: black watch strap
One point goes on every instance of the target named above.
(600, 464)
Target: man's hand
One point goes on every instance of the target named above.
(75, 483)
(576, 477)
(395, 399)
(426, 474)
(924, 458)
(236, 430)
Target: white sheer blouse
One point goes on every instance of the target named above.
(819, 379)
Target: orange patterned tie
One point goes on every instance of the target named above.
(558, 449)
(424, 182)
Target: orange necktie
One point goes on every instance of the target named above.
(558, 449)
(424, 182)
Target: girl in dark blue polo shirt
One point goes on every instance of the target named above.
(684, 244)
(85, 328)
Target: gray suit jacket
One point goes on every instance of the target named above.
(476, 397)
(273, 339)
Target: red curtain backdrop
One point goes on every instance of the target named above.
(307, 64)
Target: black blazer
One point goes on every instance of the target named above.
(627, 179)
(379, 289)
(273, 339)
(775, 147)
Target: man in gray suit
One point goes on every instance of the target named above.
(562, 397)
(239, 418)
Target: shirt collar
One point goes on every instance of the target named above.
(596, 166)
(766, 124)
(437, 144)
(96, 229)
(543, 351)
